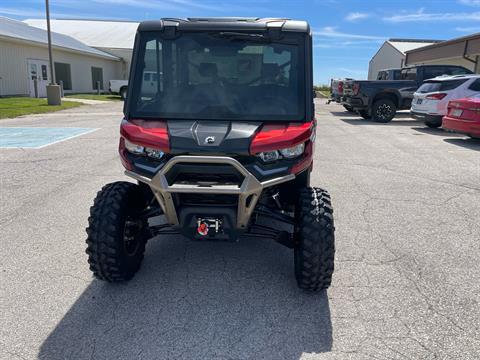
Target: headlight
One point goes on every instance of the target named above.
(288, 153)
(293, 152)
(269, 156)
(134, 148)
(141, 150)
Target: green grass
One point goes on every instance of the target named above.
(17, 106)
(103, 97)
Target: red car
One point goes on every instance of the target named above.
(463, 116)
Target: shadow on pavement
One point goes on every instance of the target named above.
(472, 144)
(196, 300)
(433, 131)
(394, 122)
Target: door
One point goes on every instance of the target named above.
(38, 70)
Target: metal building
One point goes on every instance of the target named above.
(24, 69)
(463, 51)
(392, 54)
(113, 37)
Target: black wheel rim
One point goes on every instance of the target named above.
(384, 111)
(131, 236)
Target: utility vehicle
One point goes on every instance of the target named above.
(222, 149)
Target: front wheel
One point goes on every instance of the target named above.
(314, 249)
(116, 231)
(384, 110)
(364, 114)
(123, 93)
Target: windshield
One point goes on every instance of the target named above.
(219, 75)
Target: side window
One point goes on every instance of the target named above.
(409, 74)
(475, 86)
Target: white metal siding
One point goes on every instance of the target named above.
(386, 58)
(13, 67)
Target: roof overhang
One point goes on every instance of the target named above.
(467, 47)
(41, 44)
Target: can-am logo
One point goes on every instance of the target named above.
(209, 139)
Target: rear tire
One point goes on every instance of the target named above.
(123, 93)
(383, 110)
(314, 249)
(116, 233)
(433, 124)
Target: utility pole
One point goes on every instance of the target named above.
(54, 96)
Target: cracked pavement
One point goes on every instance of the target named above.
(406, 283)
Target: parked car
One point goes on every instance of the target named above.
(431, 100)
(380, 100)
(118, 87)
(336, 90)
(464, 116)
(389, 74)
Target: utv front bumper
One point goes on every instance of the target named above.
(248, 189)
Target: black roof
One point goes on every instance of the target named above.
(230, 23)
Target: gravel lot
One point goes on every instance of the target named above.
(406, 285)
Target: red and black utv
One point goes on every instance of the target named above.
(219, 133)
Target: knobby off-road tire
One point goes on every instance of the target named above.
(116, 234)
(383, 110)
(314, 250)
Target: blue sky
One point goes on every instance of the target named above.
(347, 33)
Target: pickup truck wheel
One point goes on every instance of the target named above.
(364, 114)
(384, 110)
(123, 93)
(314, 248)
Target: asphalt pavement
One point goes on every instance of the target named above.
(406, 282)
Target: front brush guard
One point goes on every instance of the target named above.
(248, 191)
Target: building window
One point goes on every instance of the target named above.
(63, 73)
(97, 75)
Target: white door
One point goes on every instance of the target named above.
(38, 70)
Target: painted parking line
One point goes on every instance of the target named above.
(36, 137)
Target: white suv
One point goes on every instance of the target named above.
(431, 99)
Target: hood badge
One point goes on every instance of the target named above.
(209, 139)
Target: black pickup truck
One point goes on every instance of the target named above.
(379, 100)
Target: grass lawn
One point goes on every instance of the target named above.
(104, 97)
(16, 106)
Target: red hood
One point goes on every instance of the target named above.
(466, 103)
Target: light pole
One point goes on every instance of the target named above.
(53, 90)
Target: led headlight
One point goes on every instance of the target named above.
(269, 156)
(134, 148)
(288, 153)
(141, 150)
(293, 152)
(154, 153)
